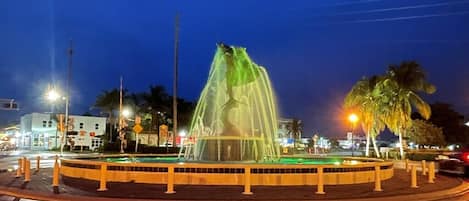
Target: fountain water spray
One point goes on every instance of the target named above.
(236, 115)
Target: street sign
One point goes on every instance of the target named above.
(137, 128)
(163, 131)
(138, 119)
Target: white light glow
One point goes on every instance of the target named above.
(52, 95)
(126, 113)
(182, 133)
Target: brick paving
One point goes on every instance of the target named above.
(398, 185)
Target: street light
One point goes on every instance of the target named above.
(52, 95)
(126, 112)
(467, 123)
(353, 118)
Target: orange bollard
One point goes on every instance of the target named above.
(38, 163)
(413, 175)
(431, 172)
(18, 170)
(55, 177)
(27, 171)
(23, 164)
(407, 165)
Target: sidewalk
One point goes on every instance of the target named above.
(397, 188)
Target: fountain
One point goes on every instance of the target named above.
(232, 141)
(236, 115)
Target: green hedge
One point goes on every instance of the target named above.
(418, 156)
(428, 155)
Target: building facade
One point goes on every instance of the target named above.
(285, 134)
(39, 131)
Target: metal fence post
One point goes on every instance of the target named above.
(424, 167)
(247, 181)
(320, 181)
(102, 179)
(378, 178)
(170, 183)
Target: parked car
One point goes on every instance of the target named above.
(455, 163)
(7, 144)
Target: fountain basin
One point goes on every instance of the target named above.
(155, 169)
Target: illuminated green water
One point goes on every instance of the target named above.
(306, 161)
(236, 115)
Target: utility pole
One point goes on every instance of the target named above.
(67, 97)
(121, 120)
(175, 79)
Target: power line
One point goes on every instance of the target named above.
(400, 8)
(347, 3)
(404, 18)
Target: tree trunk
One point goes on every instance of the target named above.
(367, 149)
(401, 148)
(110, 126)
(373, 139)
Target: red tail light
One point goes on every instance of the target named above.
(465, 157)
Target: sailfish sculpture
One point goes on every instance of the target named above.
(236, 116)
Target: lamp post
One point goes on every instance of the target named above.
(467, 123)
(52, 95)
(353, 118)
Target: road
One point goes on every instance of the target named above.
(9, 159)
(9, 162)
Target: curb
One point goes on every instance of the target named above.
(436, 195)
(432, 196)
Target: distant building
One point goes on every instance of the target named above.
(39, 131)
(284, 131)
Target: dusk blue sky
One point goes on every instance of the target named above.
(314, 50)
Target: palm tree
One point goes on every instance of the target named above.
(294, 129)
(156, 102)
(363, 98)
(108, 102)
(399, 91)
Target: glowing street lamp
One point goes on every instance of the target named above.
(52, 95)
(353, 118)
(126, 112)
(467, 123)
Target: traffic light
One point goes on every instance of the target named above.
(9, 106)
